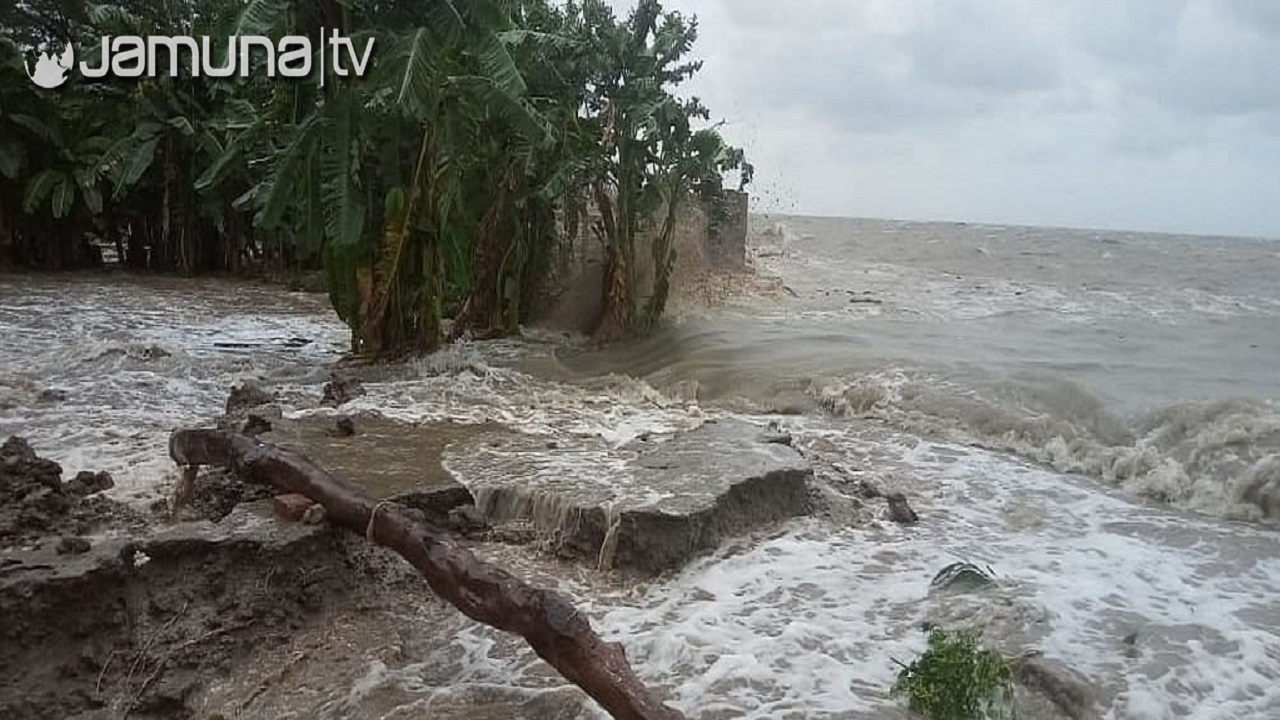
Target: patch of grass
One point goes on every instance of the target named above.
(957, 679)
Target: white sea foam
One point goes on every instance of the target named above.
(136, 361)
(1167, 615)
(1219, 458)
(459, 384)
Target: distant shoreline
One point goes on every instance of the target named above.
(1006, 225)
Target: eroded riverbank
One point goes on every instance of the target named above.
(190, 606)
(1121, 573)
(804, 618)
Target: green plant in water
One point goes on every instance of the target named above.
(957, 679)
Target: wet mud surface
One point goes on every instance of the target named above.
(142, 617)
(38, 508)
(661, 502)
(138, 627)
(226, 610)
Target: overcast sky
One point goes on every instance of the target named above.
(1135, 114)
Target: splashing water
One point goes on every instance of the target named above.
(97, 370)
(1078, 425)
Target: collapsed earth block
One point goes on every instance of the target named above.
(650, 505)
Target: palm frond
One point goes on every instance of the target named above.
(343, 201)
(275, 193)
(415, 82)
(226, 161)
(38, 189)
(112, 17)
(13, 157)
(63, 196)
(512, 109)
(36, 126)
(137, 164)
(497, 63)
(445, 17)
(259, 17)
(87, 182)
(182, 125)
(538, 40)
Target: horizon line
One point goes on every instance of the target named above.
(993, 224)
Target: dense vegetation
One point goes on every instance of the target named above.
(434, 189)
(957, 679)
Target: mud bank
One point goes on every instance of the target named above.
(107, 613)
(38, 508)
(156, 619)
(149, 618)
(138, 627)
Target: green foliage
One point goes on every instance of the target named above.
(957, 679)
(428, 189)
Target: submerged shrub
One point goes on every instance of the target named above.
(957, 679)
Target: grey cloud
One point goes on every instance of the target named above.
(934, 71)
(1160, 114)
(993, 47)
(1122, 34)
(1229, 76)
(1202, 57)
(1259, 15)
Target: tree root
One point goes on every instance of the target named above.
(552, 626)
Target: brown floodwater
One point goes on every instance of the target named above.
(1091, 414)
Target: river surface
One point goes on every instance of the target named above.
(1091, 414)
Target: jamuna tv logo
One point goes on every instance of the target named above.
(130, 56)
(51, 70)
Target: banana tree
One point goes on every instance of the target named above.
(646, 154)
(61, 198)
(49, 170)
(429, 189)
(377, 176)
(691, 164)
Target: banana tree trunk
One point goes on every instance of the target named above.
(6, 236)
(165, 219)
(614, 318)
(383, 324)
(482, 309)
(664, 257)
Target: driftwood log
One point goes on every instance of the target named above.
(552, 626)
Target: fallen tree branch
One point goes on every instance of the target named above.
(551, 625)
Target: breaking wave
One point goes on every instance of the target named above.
(1219, 457)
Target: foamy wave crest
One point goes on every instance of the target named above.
(1221, 458)
(867, 396)
(465, 384)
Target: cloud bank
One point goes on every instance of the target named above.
(1145, 114)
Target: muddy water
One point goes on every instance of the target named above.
(1090, 414)
(97, 369)
(1147, 361)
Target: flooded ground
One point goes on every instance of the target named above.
(1091, 414)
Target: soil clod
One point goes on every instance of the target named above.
(247, 396)
(344, 427)
(340, 391)
(292, 506)
(36, 506)
(900, 511)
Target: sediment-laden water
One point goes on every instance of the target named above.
(1091, 414)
